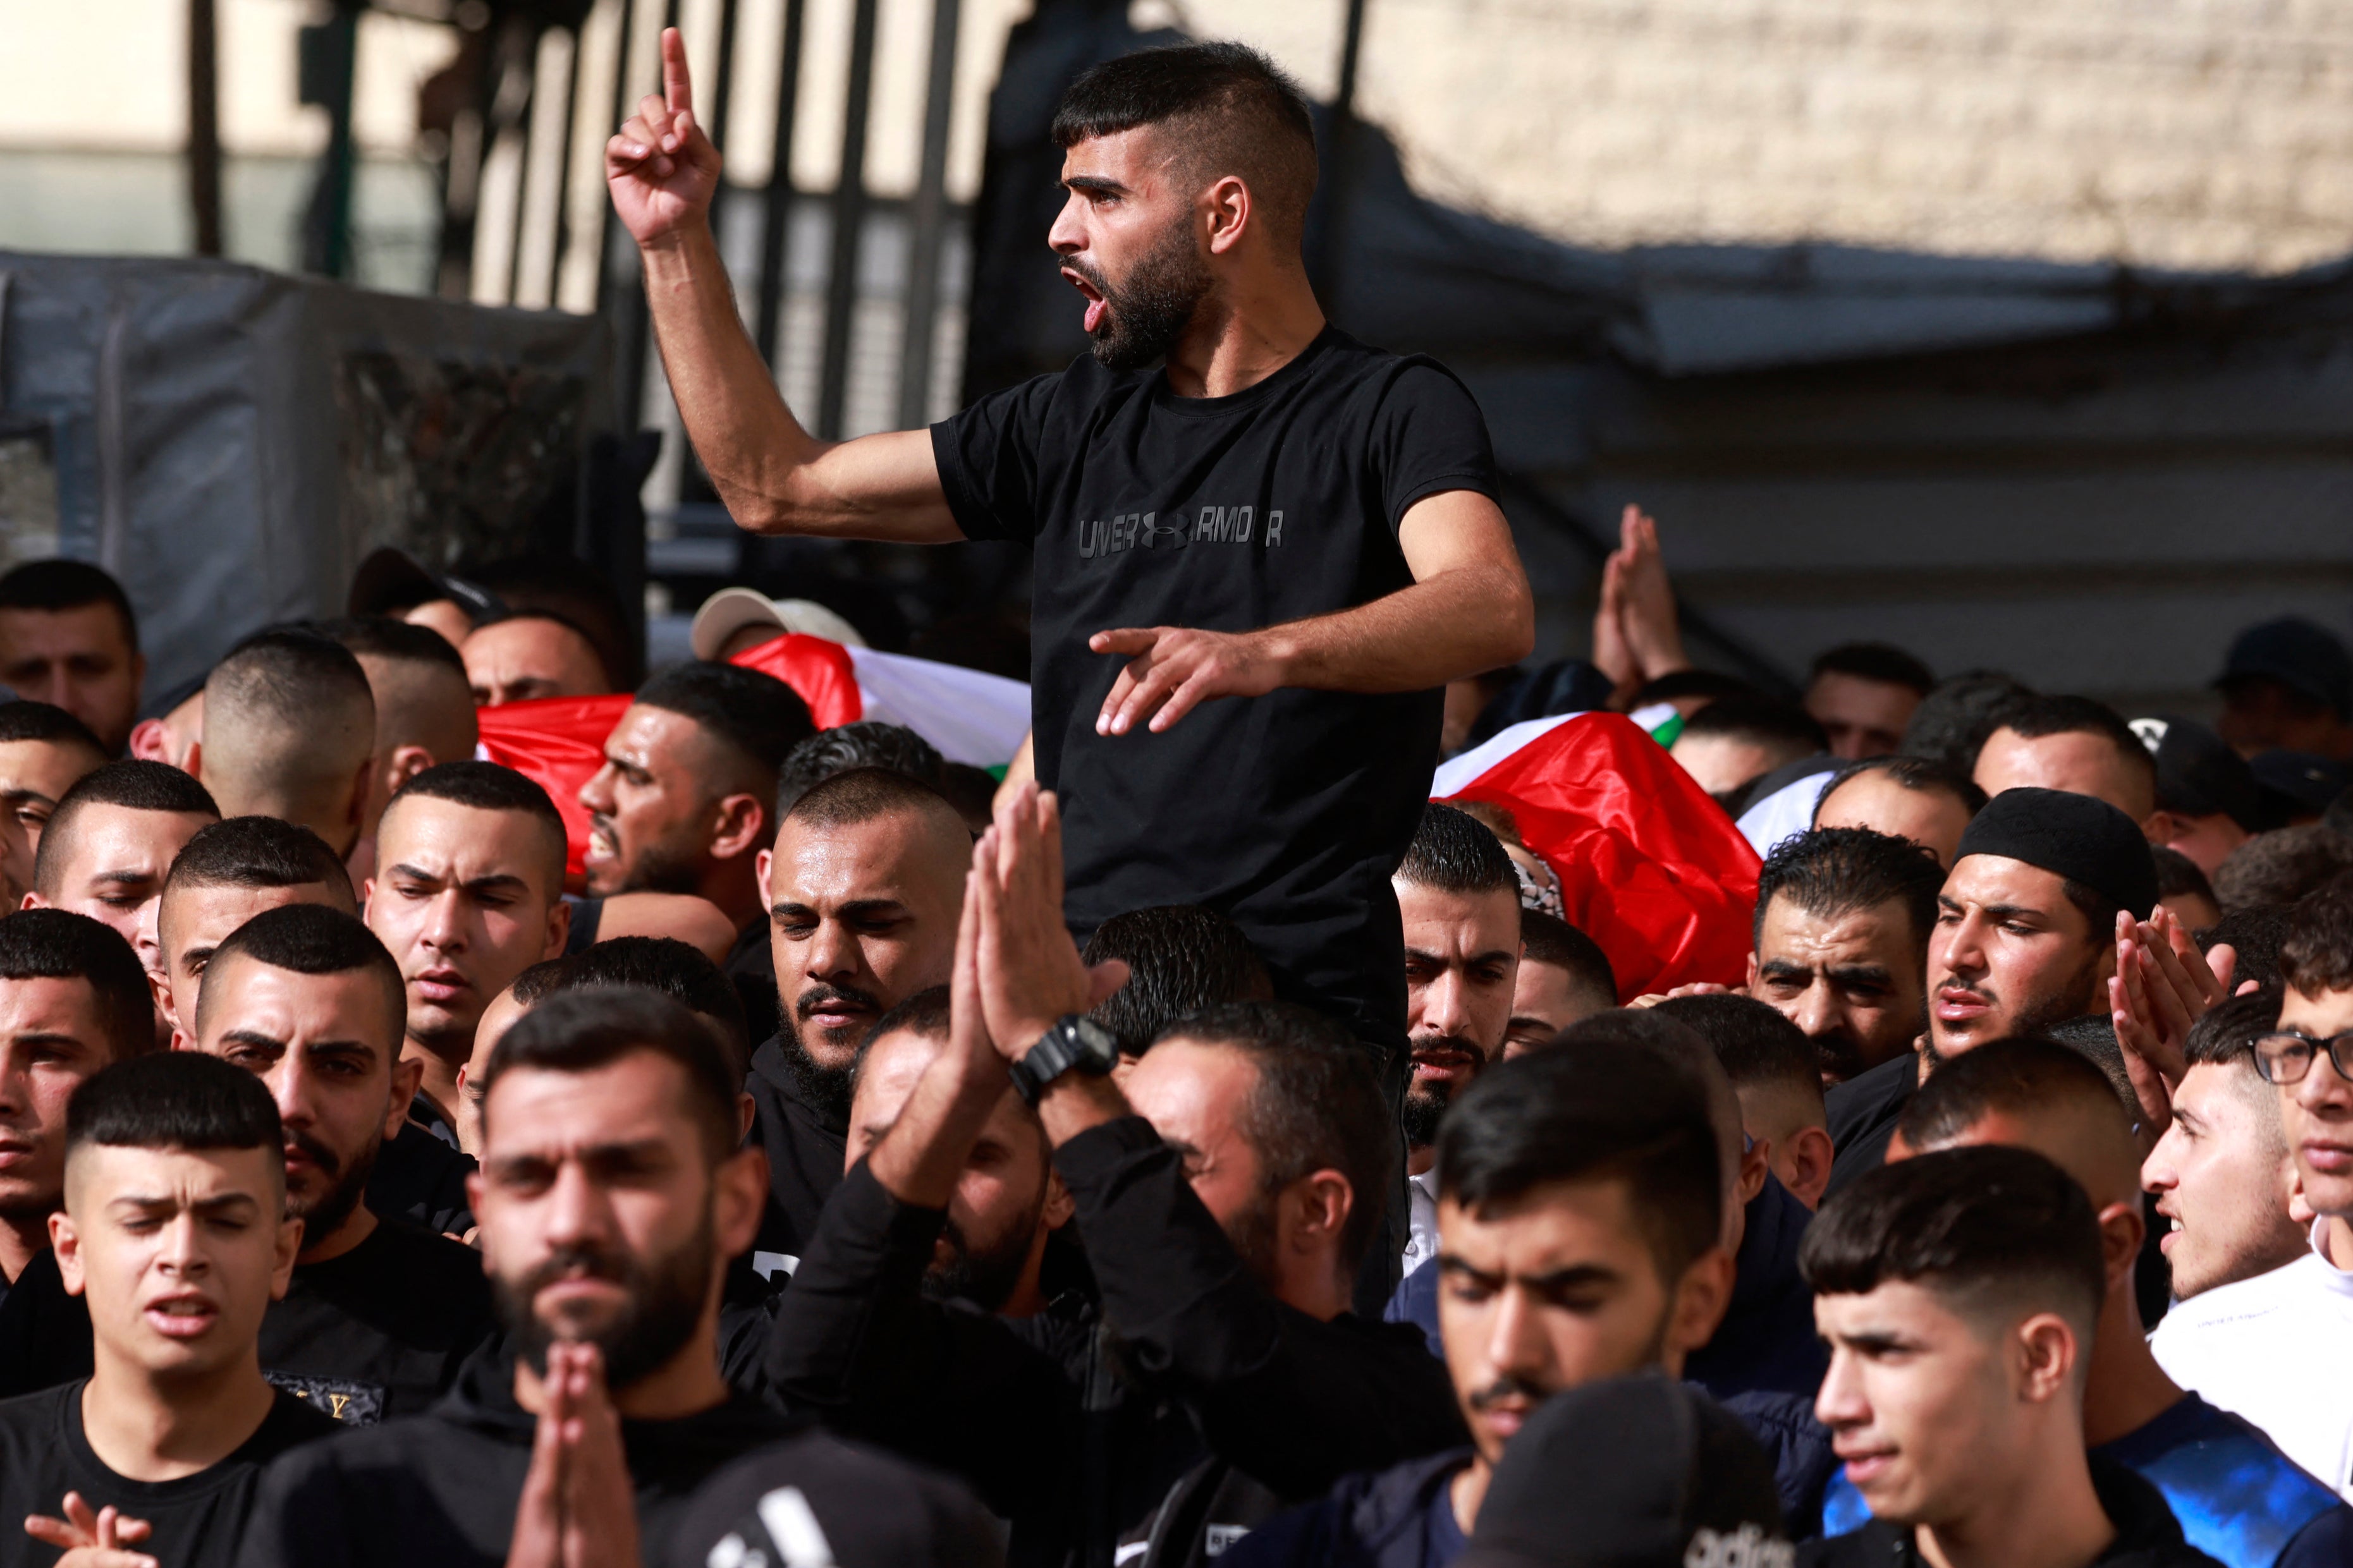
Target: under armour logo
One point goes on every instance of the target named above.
(1173, 533)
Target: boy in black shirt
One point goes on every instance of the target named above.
(1230, 499)
(176, 1231)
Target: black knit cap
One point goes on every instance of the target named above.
(2078, 836)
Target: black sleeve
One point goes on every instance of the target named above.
(955, 1387)
(1292, 1401)
(298, 1519)
(987, 456)
(1427, 436)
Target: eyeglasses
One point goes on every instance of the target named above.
(2285, 1058)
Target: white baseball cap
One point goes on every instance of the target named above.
(730, 610)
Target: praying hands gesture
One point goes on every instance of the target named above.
(100, 1539)
(2162, 985)
(1635, 635)
(578, 1505)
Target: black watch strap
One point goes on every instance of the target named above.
(1074, 1043)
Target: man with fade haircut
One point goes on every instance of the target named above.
(1840, 944)
(2069, 743)
(1563, 978)
(2275, 868)
(612, 1192)
(43, 752)
(1863, 695)
(521, 655)
(2208, 799)
(1459, 902)
(1773, 1070)
(2026, 939)
(2237, 1497)
(1908, 797)
(1180, 958)
(175, 1238)
(1732, 743)
(1580, 1230)
(112, 842)
(69, 637)
(226, 873)
(1349, 578)
(2262, 1348)
(468, 893)
(865, 884)
(2224, 1173)
(69, 1008)
(867, 743)
(1219, 1196)
(424, 713)
(1959, 1293)
(289, 732)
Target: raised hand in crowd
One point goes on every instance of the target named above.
(1635, 635)
(2162, 985)
(105, 1538)
(660, 167)
(576, 1510)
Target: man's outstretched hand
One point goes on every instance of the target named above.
(660, 167)
(1171, 670)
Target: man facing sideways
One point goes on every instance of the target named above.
(289, 732)
(1579, 1237)
(2069, 743)
(111, 842)
(1214, 599)
(175, 1233)
(424, 713)
(1959, 1292)
(612, 1191)
(864, 883)
(523, 655)
(1563, 978)
(2235, 1495)
(68, 637)
(2208, 800)
(43, 752)
(1460, 906)
(2025, 939)
(2264, 1347)
(1774, 1074)
(1909, 797)
(468, 893)
(1863, 694)
(1843, 918)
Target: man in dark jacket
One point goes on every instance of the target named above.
(1219, 1202)
(1959, 1292)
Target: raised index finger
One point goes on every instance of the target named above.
(678, 86)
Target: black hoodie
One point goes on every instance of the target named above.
(2146, 1533)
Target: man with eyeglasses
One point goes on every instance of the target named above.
(2278, 1348)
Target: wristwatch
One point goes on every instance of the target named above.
(1075, 1044)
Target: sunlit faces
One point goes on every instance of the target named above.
(2009, 954)
(528, 658)
(1545, 999)
(178, 1252)
(503, 1013)
(51, 1038)
(192, 920)
(1461, 966)
(2077, 761)
(650, 806)
(1195, 1094)
(1555, 1289)
(112, 867)
(1863, 717)
(34, 776)
(1929, 818)
(1853, 982)
(2317, 1112)
(80, 659)
(2223, 1175)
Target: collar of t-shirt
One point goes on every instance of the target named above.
(2338, 1279)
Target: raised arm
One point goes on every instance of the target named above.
(1469, 610)
(774, 476)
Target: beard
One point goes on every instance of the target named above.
(1424, 1107)
(825, 1090)
(323, 1216)
(1252, 1232)
(666, 1296)
(655, 868)
(986, 1277)
(1144, 316)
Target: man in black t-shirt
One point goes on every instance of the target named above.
(1230, 499)
(176, 1232)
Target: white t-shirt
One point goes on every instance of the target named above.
(2277, 1350)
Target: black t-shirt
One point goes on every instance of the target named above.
(1289, 810)
(198, 1519)
(421, 1178)
(381, 1330)
(806, 1149)
(1862, 1114)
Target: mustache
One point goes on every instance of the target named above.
(815, 997)
(330, 1164)
(578, 1260)
(1506, 1387)
(1469, 1047)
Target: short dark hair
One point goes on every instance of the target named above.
(1231, 110)
(1882, 662)
(1454, 852)
(677, 970)
(748, 712)
(58, 944)
(2318, 956)
(60, 584)
(288, 671)
(869, 744)
(927, 1013)
(1832, 872)
(25, 719)
(1761, 721)
(2227, 1032)
(2036, 717)
(1180, 959)
(384, 636)
(1712, 684)
(1760, 1048)
(1628, 1116)
(1988, 1218)
(258, 852)
(489, 786)
(1316, 1106)
(175, 1099)
(2254, 934)
(2013, 1077)
(581, 1031)
(1921, 776)
(133, 784)
(576, 592)
(2280, 866)
(1952, 721)
(314, 938)
(861, 794)
(540, 980)
(1548, 939)
(2178, 874)
(2093, 1039)
(557, 618)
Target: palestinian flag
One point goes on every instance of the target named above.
(1650, 868)
(559, 742)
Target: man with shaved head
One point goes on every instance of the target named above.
(2237, 1497)
(111, 842)
(225, 875)
(424, 712)
(289, 732)
(865, 887)
(2069, 743)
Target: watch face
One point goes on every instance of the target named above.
(1098, 1044)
